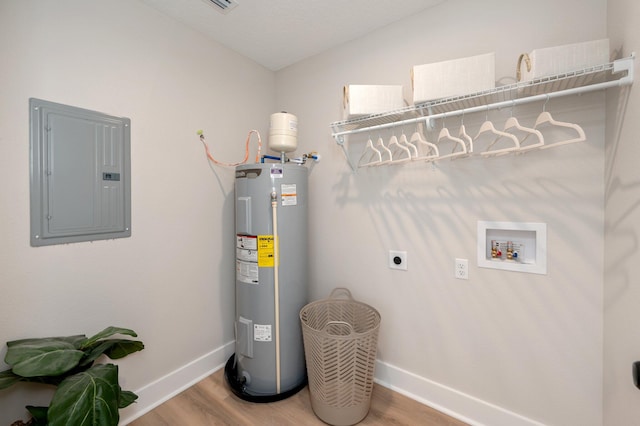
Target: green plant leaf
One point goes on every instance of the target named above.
(8, 378)
(70, 339)
(49, 380)
(50, 356)
(113, 348)
(89, 398)
(93, 352)
(126, 398)
(122, 348)
(39, 415)
(74, 340)
(108, 332)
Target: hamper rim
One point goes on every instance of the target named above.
(309, 306)
(355, 336)
(339, 301)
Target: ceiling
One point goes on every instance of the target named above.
(278, 33)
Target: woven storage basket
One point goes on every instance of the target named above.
(340, 345)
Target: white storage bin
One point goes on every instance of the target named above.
(562, 59)
(363, 99)
(453, 78)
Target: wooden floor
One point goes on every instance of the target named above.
(210, 402)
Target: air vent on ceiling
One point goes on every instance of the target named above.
(223, 6)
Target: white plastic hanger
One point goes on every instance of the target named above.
(370, 156)
(385, 152)
(512, 124)
(413, 150)
(488, 127)
(445, 135)
(546, 118)
(399, 153)
(431, 149)
(468, 140)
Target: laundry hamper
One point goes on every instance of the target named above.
(340, 343)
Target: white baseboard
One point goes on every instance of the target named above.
(165, 388)
(456, 404)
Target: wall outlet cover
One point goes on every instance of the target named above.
(462, 269)
(398, 260)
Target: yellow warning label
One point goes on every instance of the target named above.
(266, 251)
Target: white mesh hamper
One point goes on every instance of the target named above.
(340, 345)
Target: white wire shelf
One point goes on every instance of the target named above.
(617, 73)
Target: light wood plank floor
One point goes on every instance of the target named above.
(210, 402)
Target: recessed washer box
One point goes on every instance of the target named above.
(513, 246)
(79, 174)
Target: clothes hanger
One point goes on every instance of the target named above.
(546, 118)
(399, 153)
(445, 135)
(488, 127)
(385, 152)
(371, 155)
(413, 150)
(431, 149)
(468, 140)
(512, 125)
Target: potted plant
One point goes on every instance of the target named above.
(86, 393)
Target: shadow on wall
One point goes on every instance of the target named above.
(448, 197)
(620, 231)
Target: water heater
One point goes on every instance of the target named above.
(271, 281)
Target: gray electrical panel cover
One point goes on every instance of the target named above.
(80, 174)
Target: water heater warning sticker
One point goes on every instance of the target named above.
(247, 259)
(262, 332)
(289, 195)
(247, 242)
(266, 251)
(247, 272)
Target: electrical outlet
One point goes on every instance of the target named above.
(398, 260)
(462, 269)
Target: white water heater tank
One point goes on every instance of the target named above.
(283, 132)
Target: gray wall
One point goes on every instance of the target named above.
(530, 344)
(172, 281)
(622, 227)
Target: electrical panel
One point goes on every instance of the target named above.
(80, 174)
